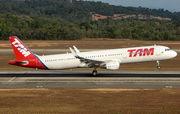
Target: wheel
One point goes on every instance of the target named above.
(159, 67)
(94, 73)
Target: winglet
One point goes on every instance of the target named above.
(73, 52)
(77, 51)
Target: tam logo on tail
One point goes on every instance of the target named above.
(21, 48)
(24, 56)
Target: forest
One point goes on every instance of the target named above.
(65, 20)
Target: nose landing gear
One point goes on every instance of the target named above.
(158, 65)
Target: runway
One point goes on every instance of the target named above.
(84, 79)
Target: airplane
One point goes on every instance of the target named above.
(108, 59)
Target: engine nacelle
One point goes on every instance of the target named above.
(112, 65)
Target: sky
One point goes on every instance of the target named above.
(171, 5)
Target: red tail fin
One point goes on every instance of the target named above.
(20, 49)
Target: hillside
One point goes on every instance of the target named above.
(77, 10)
(96, 17)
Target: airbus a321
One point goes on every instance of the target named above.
(108, 59)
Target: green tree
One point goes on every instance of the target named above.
(112, 32)
(167, 35)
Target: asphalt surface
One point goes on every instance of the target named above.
(84, 79)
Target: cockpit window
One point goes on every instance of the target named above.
(167, 49)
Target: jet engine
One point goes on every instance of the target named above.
(112, 65)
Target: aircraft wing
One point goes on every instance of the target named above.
(91, 62)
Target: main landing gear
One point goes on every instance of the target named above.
(158, 65)
(94, 72)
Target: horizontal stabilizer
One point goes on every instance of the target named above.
(18, 62)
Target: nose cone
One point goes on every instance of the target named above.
(174, 54)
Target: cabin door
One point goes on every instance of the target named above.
(158, 52)
(38, 63)
(124, 55)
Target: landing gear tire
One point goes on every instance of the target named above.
(94, 73)
(159, 67)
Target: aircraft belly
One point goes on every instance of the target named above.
(63, 65)
(138, 59)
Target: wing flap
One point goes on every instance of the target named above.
(91, 62)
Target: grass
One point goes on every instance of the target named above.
(90, 43)
(89, 101)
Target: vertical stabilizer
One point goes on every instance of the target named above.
(21, 51)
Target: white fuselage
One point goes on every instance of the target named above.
(123, 56)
